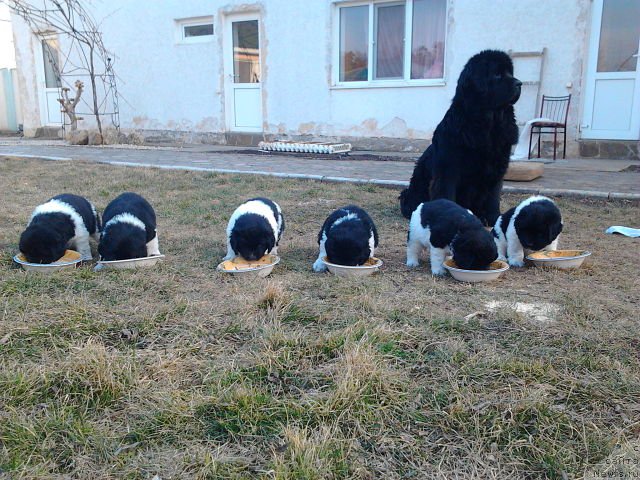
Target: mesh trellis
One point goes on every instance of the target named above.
(85, 57)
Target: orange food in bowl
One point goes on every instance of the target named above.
(556, 254)
(69, 256)
(495, 265)
(240, 263)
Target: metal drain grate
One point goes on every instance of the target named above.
(305, 147)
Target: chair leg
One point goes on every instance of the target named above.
(530, 139)
(564, 145)
(555, 140)
(539, 141)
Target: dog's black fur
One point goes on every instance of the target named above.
(537, 225)
(250, 234)
(49, 234)
(471, 146)
(533, 225)
(122, 240)
(347, 241)
(45, 239)
(453, 228)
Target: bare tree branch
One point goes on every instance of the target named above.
(69, 106)
(69, 18)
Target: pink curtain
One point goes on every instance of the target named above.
(427, 44)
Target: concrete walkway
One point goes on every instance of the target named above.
(580, 177)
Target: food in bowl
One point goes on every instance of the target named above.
(493, 272)
(240, 263)
(70, 259)
(555, 254)
(260, 268)
(371, 266)
(564, 259)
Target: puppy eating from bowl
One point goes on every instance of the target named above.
(129, 229)
(254, 230)
(347, 237)
(65, 221)
(535, 224)
(446, 228)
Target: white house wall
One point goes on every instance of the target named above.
(168, 86)
(7, 54)
(162, 84)
(10, 115)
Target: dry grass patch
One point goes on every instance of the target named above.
(184, 373)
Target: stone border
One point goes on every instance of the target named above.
(386, 183)
(330, 179)
(40, 157)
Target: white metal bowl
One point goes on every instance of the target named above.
(130, 263)
(563, 259)
(353, 271)
(252, 272)
(70, 259)
(496, 269)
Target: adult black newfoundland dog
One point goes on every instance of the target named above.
(470, 150)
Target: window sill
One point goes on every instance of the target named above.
(209, 39)
(389, 84)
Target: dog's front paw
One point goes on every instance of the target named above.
(438, 272)
(319, 266)
(516, 263)
(413, 263)
(229, 256)
(502, 258)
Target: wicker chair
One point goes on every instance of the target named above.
(556, 109)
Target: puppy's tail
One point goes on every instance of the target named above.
(418, 190)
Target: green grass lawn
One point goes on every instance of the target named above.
(184, 373)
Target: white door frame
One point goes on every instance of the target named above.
(590, 86)
(229, 85)
(42, 84)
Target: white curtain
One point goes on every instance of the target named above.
(427, 44)
(389, 42)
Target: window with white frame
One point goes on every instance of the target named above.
(192, 30)
(386, 41)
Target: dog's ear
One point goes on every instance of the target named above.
(270, 241)
(481, 83)
(554, 230)
(234, 240)
(464, 80)
(411, 197)
(473, 79)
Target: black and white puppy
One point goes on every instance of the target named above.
(347, 237)
(533, 225)
(65, 221)
(129, 229)
(447, 228)
(254, 229)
